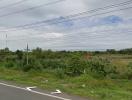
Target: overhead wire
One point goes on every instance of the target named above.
(53, 21)
(73, 19)
(81, 13)
(31, 8)
(12, 4)
(32, 25)
(109, 12)
(36, 26)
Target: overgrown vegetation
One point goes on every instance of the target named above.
(100, 75)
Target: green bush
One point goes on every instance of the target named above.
(60, 73)
(101, 67)
(9, 64)
(129, 71)
(33, 64)
(53, 64)
(75, 66)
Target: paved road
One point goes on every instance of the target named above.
(12, 92)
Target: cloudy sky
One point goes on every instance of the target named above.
(61, 25)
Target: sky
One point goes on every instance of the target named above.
(108, 28)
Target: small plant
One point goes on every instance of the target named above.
(101, 67)
(60, 73)
(129, 71)
(32, 65)
(75, 67)
(9, 64)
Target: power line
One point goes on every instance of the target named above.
(91, 15)
(49, 22)
(79, 14)
(101, 8)
(12, 4)
(53, 21)
(31, 8)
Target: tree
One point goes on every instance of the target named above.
(37, 52)
(19, 54)
(75, 66)
(112, 51)
(129, 70)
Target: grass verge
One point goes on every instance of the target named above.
(85, 85)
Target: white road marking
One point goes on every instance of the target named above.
(30, 88)
(44, 94)
(57, 92)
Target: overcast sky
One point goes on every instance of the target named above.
(89, 32)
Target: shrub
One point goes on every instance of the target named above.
(129, 71)
(101, 67)
(75, 66)
(19, 54)
(32, 65)
(60, 73)
(53, 63)
(9, 64)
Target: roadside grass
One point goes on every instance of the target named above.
(84, 85)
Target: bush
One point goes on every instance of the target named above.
(19, 54)
(60, 73)
(75, 66)
(101, 67)
(32, 65)
(53, 64)
(129, 71)
(9, 64)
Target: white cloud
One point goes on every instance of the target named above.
(48, 35)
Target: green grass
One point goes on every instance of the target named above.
(85, 85)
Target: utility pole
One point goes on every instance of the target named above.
(6, 48)
(27, 54)
(6, 41)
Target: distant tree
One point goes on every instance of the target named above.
(125, 51)
(37, 52)
(6, 49)
(19, 54)
(112, 51)
(97, 52)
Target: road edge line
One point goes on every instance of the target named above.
(32, 91)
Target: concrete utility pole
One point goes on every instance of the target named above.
(27, 54)
(6, 41)
(6, 47)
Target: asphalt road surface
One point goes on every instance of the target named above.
(13, 92)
